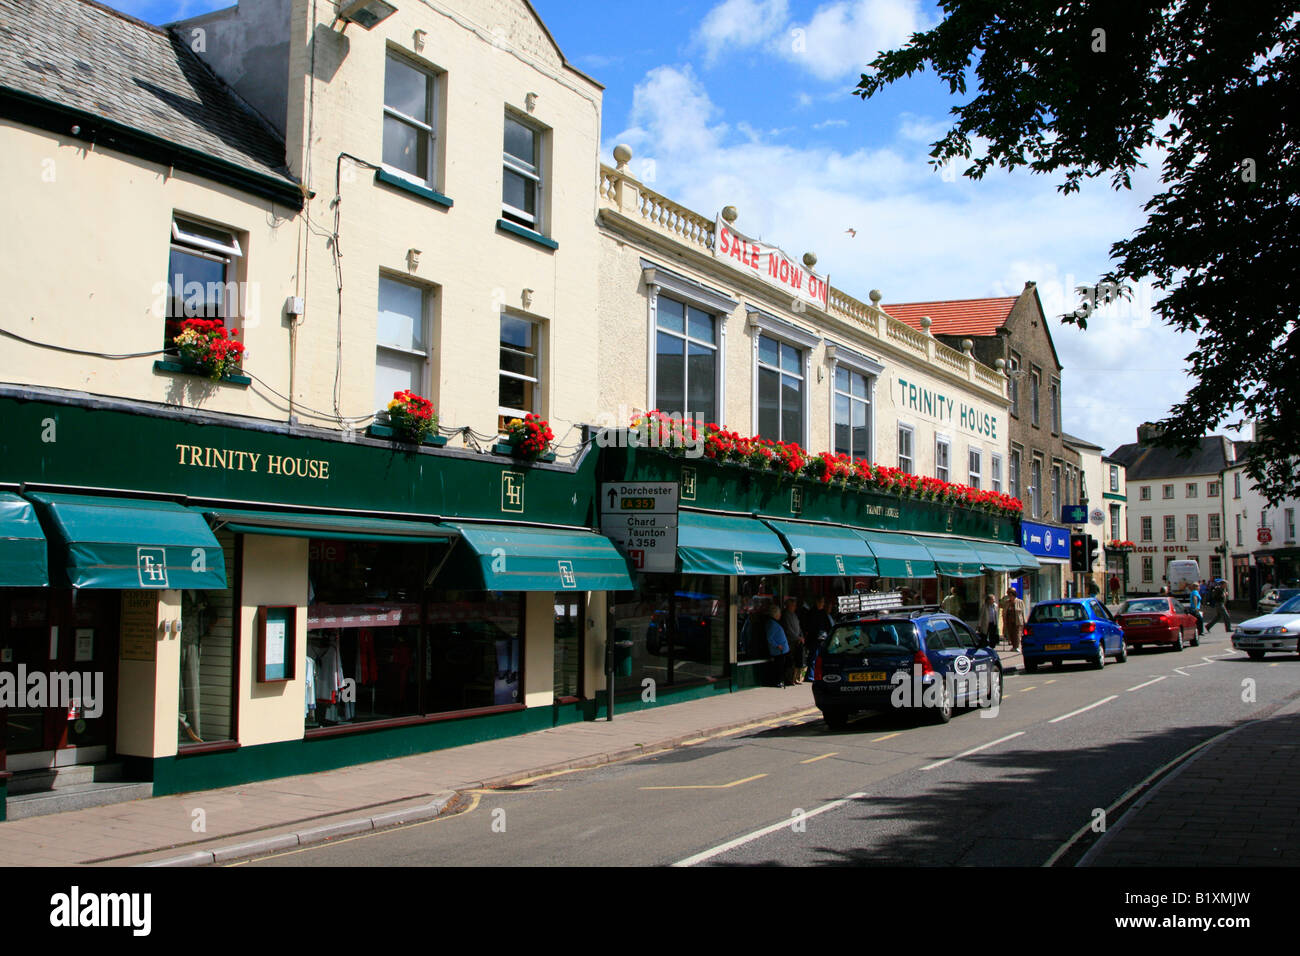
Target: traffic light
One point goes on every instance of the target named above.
(1092, 553)
(1078, 552)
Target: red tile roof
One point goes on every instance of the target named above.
(972, 317)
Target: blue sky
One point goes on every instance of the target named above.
(748, 103)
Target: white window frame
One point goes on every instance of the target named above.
(1211, 489)
(1148, 570)
(1167, 492)
(1171, 527)
(1057, 473)
(204, 247)
(910, 432)
(1055, 399)
(945, 443)
(1193, 528)
(1146, 529)
(1035, 390)
(1035, 489)
(1114, 479)
(428, 126)
(534, 172)
(1013, 391)
(426, 311)
(855, 362)
(1015, 473)
(1236, 484)
(975, 466)
(1144, 493)
(1215, 528)
(1239, 531)
(657, 279)
(995, 472)
(1115, 534)
(539, 358)
(1192, 489)
(761, 323)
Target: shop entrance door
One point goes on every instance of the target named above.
(58, 652)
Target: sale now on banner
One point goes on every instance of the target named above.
(770, 264)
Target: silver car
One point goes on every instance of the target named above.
(1275, 597)
(1279, 631)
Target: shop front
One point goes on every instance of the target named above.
(749, 540)
(257, 602)
(1050, 546)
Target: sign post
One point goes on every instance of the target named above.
(640, 517)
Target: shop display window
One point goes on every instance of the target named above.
(206, 710)
(672, 629)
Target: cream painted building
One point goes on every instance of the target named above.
(757, 359)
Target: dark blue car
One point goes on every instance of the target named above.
(929, 664)
(1072, 629)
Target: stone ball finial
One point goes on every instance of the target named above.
(925, 324)
(1000, 364)
(874, 296)
(967, 345)
(730, 213)
(809, 259)
(622, 155)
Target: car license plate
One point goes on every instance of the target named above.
(1056, 647)
(1140, 621)
(865, 677)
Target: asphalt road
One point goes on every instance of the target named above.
(1007, 789)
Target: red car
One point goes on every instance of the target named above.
(1155, 621)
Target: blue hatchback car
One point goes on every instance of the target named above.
(1077, 629)
(930, 664)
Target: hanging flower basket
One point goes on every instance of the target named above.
(529, 437)
(411, 416)
(1121, 546)
(209, 348)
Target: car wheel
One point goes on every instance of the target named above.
(1178, 644)
(835, 720)
(1196, 639)
(1058, 664)
(1029, 665)
(943, 713)
(1122, 657)
(1099, 662)
(1255, 655)
(995, 688)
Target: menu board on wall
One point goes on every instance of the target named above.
(139, 626)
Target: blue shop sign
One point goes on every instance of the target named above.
(1044, 540)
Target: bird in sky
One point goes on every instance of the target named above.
(851, 232)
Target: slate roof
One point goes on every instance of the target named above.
(1079, 442)
(1142, 462)
(96, 60)
(973, 317)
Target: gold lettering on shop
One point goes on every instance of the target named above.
(233, 459)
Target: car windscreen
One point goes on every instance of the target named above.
(1051, 613)
(867, 637)
(1148, 606)
(1290, 607)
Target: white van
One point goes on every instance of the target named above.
(1184, 576)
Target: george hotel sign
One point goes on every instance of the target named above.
(771, 265)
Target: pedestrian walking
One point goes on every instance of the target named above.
(988, 622)
(952, 603)
(1194, 605)
(1114, 589)
(1218, 605)
(778, 648)
(794, 638)
(1013, 617)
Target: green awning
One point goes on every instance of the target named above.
(1001, 557)
(23, 549)
(898, 555)
(825, 549)
(726, 544)
(130, 544)
(345, 527)
(1027, 562)
(520, 558)
(953, 558)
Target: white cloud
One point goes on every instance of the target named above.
(830, 123)
(842, 37)
(837, 41)
(740, 24)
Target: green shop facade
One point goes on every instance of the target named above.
(201, 601)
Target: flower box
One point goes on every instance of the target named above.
(386, 431)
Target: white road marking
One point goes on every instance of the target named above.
(1075, 713)
(1148, 683)
(758, 834)
(1179, 670)
(974, 750)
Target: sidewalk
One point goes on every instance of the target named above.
(293, 811)
(1233, 803)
